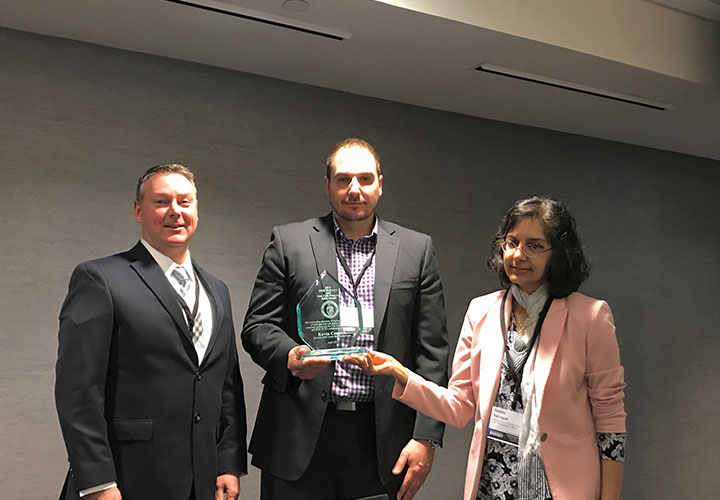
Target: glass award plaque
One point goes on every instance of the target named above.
(329, 320)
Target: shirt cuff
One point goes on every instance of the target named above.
(612, 445)
(99, 487)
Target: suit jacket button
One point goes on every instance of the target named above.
(324, 394)
(196, 418)
(544, 436)
(198, 376)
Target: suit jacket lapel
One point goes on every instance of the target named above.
(151, 274)
(322, 241)
(216, 305)
(386, 256)
(550, 335)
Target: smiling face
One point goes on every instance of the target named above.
(354, 187)
(528, 274)
(168, 214)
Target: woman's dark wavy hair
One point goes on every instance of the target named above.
(567, 267)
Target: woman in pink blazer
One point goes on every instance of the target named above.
(537, 366)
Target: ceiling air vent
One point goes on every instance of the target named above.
(265, 18)
(574, 87)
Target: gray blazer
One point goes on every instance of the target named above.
(409, 325)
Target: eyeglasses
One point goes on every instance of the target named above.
(530, 250)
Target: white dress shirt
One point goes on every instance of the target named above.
(167, 265)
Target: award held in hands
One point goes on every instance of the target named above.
(329, 320)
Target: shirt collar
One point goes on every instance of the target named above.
(166, 263)
(338, 230)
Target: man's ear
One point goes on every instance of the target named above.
(137, 211)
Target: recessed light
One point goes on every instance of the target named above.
(295, 5)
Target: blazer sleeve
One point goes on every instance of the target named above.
(604, 373)
(84, 341)
(264, 334)
(430, 338)
(232, 427)
(454, 405)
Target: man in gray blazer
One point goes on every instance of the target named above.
(148, 387)
(324, 430)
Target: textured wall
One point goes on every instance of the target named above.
(79, 123)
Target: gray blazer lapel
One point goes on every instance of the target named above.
(386, 256)
(151, 274)
(322, 241)
(215, 303)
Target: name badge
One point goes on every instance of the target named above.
(505, 425)
(348, 317)
(368, 319)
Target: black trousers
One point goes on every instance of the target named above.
(344, 466)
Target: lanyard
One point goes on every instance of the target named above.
(516, 372)
(191, 315)
(346, 268)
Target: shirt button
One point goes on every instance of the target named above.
(324, 394)
(196, 418)
(544, 436)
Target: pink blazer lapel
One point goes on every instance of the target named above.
(552, 331)
(492, 352)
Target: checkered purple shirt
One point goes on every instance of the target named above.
(349, 381)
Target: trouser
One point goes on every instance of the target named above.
(344, 465)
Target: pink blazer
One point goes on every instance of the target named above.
(579, 385)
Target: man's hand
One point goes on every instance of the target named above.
(227, 487)
(418, 457)
(108, 494)
(306, 369)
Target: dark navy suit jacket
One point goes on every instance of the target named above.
(135, 405)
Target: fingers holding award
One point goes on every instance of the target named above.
(379, 363)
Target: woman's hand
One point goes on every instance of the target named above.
(379, 363)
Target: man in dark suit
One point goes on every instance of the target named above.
(324, 430)
(148, 387)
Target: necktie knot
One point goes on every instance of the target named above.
(181, 276)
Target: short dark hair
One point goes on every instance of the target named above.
(567, 267)
(163, 168)
(349, 143)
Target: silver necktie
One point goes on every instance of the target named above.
(194, 321)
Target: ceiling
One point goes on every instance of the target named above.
(425, 53)
(703, 9)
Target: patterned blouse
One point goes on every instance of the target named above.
(498, 480)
